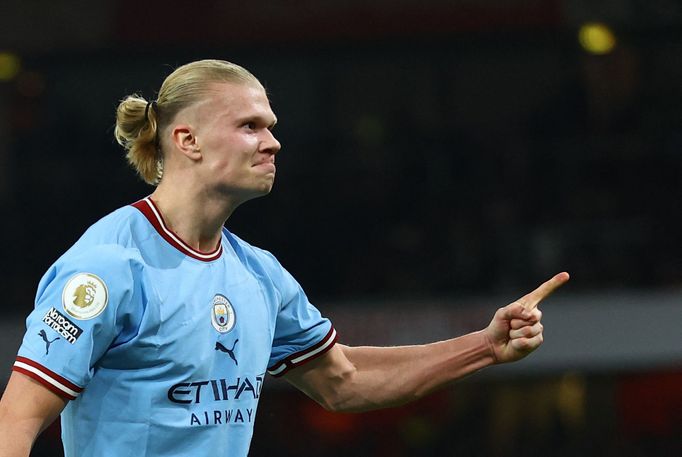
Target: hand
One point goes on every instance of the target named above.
(516, 330)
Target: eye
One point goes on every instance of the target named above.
(250, 125)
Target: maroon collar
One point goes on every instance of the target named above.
(152, 213)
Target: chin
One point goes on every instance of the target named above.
(267, 187)
(261, 191)
(266, 190)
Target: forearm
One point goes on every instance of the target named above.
(396, 375)
(379, 377)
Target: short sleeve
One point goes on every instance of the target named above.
(83, 306)
(301, 333)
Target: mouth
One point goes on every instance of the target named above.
(268, 167)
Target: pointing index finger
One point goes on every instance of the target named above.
(531, 300)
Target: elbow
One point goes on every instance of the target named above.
(339, 395)
(335, 401)
(347, 393)
(340, 405)
(358, 404)
(331, 405)
(349, 400)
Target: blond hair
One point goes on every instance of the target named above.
(138, 121)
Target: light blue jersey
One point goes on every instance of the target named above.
(162, 349)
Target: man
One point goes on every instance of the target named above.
(152, 334)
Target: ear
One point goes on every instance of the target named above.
(186, 141)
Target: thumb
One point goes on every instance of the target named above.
(514, 310)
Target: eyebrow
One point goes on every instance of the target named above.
(260, 119)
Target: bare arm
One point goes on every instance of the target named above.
(26, 409)
(364, 378)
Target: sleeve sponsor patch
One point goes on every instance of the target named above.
(62, 325)
(85, 296)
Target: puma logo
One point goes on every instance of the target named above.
(230, 352)
(47, 342)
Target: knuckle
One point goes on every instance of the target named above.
(523, 345)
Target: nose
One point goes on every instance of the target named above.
(269, 144)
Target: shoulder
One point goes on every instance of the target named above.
(252, 255)
(265, 266)
(124, 228)
(115, 227)
(108, 245)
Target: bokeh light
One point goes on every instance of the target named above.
(9, 66)
(597, 38)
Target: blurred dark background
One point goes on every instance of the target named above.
(431, 149)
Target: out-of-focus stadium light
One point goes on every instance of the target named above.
(597, 38)
(10, 64)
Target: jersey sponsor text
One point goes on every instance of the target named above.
(216, 390)
(220, 417)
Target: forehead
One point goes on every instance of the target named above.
(236, 101)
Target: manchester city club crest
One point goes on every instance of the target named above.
(222, 314)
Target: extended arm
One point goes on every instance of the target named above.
(26, 409)
(364, 378)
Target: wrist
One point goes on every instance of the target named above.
(490, 346)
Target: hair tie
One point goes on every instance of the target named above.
(146, 109)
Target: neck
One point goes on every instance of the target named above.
(195, 216)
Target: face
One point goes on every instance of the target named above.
(233, 131)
